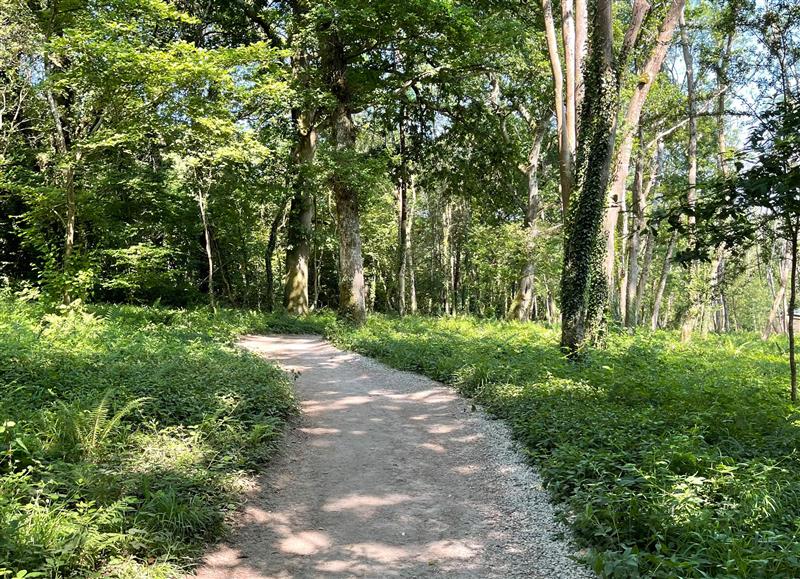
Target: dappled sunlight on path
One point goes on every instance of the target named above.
(386, 475)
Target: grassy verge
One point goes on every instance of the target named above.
(671, 460)
(125, 434)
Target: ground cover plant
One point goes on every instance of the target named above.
(672, 460)
(125, 433)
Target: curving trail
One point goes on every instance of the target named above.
(388, 474)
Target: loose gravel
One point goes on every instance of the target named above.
(390, 474)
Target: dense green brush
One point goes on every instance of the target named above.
(124, 434)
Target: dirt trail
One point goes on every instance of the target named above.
(388, 474)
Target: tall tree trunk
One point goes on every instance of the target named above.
(447, 258)
(631, 278)
(522, 304)
(792, 302)
(300, 224)
(351, 266)
(630, 126)
(272, 243)
(583, 298)
(202, 203)
(718, 264)
(404, 228)
(662, 282)
(640, 224)
(412, 280)
(644, 277)
(618, 294)
(565, 159)
(695, 311)
(352, 305)
(581, 34)
(570, 66)
(62, 145)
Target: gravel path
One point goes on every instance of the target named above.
(389, 474)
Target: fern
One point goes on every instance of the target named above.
(90, 429)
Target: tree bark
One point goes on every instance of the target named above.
(300, 225)
(564, 158)
(640, 224)
(570, 64)
(644, 277)
(583, 298)
(630, 126)
(404, 233)
(68, 183)
(694, 312)
(352, 306)
(272, 243)
(581, 33)
(662, 283)
(522, 304)
(792, 302)
(409, 253)
(202, 202)
(777, 301)
(631, 278)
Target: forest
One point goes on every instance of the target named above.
(582, 215)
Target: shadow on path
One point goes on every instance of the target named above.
(386, 475)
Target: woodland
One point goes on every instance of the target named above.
(582, 214)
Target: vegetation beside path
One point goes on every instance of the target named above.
(126, 434)
(670, 459)
(673, 460)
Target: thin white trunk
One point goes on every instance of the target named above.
(564, 159)
(694, 312)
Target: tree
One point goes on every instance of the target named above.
(584, 289)
(765, 190)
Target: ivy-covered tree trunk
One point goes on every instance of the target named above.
(300, 224)
(584, 290)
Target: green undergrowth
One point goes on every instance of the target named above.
(670, 460)
(126, 434)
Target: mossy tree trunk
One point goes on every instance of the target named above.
(352, 304)
(300, 223)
